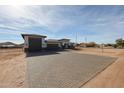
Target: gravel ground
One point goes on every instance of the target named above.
(64, 69)
(112, 76)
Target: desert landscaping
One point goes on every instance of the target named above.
(13, 68)
(61, 46)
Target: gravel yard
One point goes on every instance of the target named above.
(64, 69)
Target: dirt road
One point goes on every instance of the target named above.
(112, 76)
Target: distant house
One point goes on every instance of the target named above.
(53, 44)
(34, 42)
(59, 44)
(7, 45)
(65, 43)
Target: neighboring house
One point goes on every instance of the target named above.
(7, 45)
(59, 44)
(34, 42)
(53, 44)
(65, 43)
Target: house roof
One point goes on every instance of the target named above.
(7, 43)
(33, 35)
(53, 41)
(64, 39)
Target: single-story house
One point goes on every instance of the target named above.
(65, 43)
(34, 42)
(7, 45)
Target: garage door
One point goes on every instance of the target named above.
(52, 46)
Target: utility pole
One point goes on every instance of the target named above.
(76, 38)
(85, 39)
(102, 48)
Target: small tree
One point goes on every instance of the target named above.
(120, 42)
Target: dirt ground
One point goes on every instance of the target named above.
(12, 68)
(111, 77)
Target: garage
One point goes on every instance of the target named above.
(53, 44)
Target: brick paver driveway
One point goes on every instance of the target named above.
(63, 69)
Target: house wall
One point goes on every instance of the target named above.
(44, 44)
(34, 43)
(26, 43)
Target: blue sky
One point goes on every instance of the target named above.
(101, 24)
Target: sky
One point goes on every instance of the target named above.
(100, 24)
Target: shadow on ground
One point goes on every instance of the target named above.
(43, 53)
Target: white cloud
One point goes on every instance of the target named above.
(103, 21)
(31, 16)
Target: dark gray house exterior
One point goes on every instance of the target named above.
(34, 42)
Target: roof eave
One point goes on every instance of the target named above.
(33, 35)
